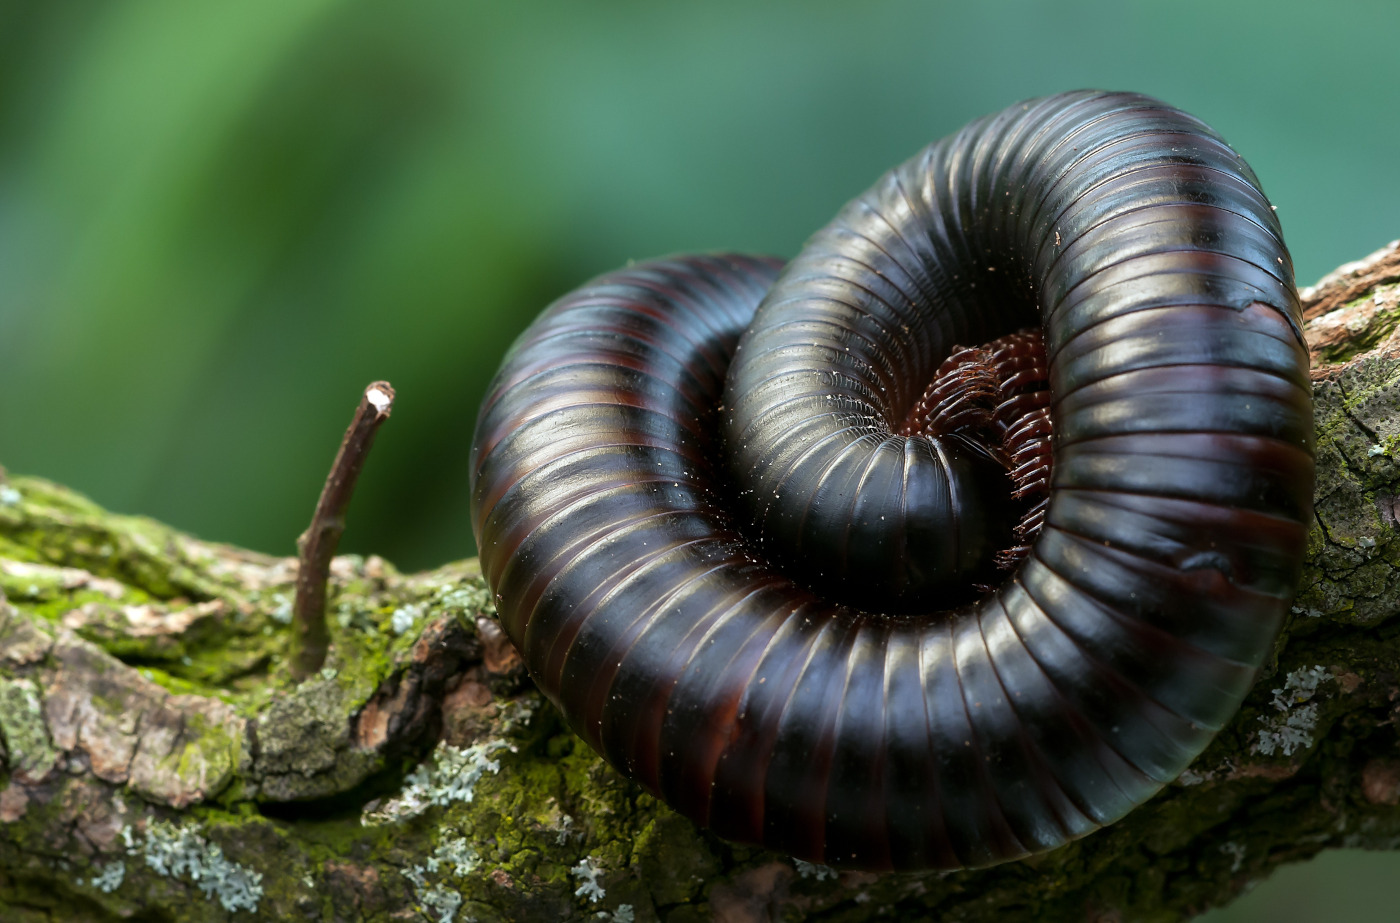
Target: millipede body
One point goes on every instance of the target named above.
(732, 552)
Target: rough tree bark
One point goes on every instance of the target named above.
(157, 763)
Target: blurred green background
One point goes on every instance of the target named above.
(219, 221)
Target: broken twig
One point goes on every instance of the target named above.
(317, 544)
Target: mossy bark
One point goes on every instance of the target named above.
(157, 763)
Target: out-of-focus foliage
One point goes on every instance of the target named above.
(219, 220)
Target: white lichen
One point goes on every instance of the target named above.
(283, 611)
(436, 901)
(457, 854)
(181, 852)
(588, 874)
(110, 877)
(345, 613)
(1292, 730)
(1236, 852)
(1375, 450)
(472, 597)
(449, 775)
(623, 914)
(1192, 777)
(403, 618)
(1288, 734)
(566, 830)
(813, 870)
(23, 729)
(9, 496)
(1299, 686)
(516, 714)
(453, 856)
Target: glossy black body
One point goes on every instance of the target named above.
(663, 597)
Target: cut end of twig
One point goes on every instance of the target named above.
(381, 397)
(316, 546)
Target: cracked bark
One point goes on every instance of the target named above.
(155, 763)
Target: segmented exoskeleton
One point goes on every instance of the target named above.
(752, 598)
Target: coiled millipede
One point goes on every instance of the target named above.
(781, 645)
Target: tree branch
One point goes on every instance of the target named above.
(156, 761)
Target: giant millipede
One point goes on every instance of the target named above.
(759, 590)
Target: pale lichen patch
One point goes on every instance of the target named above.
(453, 857)
(1299, 686)
(449, 775)
(1236, 852)
(1292, 731)
(281, 611)
(471, 595)
(516, 714)
(457, 854)
(31, 753)
(404, 618)
(587, 874)
(436, 901)
(814, 870)
(109, 877)
(1190, 777)
(183, 852)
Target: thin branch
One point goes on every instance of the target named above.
(317, 544)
